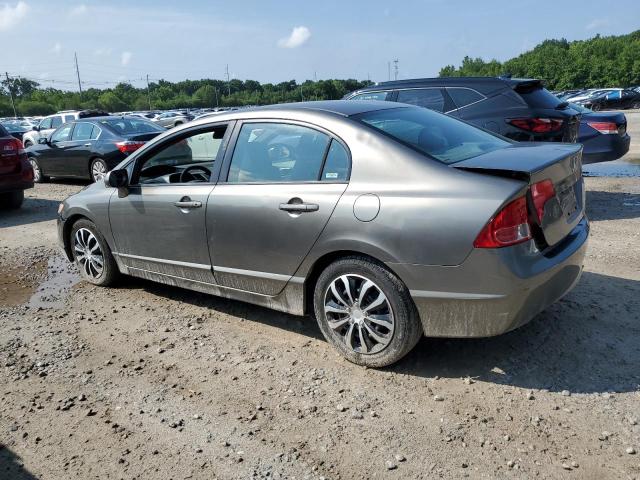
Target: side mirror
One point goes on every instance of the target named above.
(35, 128)
(43, 140)
(117, 179)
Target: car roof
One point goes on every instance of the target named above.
(339, 107)
(483, 85)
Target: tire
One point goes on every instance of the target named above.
(596, 108)
(398, 337)
(636, 105)
(12, 200)
(38, 177)
(27, 144)
(98, 169)
(83, 234)
(177, 124)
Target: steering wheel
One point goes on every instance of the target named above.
(197, 173)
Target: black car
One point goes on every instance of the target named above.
(618, 100)
(520, 109)
(603, 135)
(15, 129)
(89, 147)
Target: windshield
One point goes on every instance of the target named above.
(437, 135)
(131, 126)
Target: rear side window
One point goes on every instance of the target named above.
(371, 96)
(56, 121)
(537, 97)
(277, 153)
(431, 98)
(82, 131)
(464, 96)
(336, 166)
(439, 136)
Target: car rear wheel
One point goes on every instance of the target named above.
(12, 200)
(178, 123)
(98, 169)
(38, 177)
(92, 254)
(596, 107)
(366, 312)
(27, 143)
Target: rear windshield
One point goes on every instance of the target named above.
(3, 132)
(131, 126)
(437, 135)
(538, 97)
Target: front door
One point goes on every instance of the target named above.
(160, 225)
(280, 187)
(53, 159)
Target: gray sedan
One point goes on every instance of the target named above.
(387, 222)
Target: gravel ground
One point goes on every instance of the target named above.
(149, 382)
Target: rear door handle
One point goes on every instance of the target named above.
(188, 204)
(299, 207)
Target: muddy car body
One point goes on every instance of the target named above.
(387, 222)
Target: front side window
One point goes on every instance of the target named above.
(82, 131)
(439, 136)
(187, 159)
(62, 134)
(69, 118)
(277, 152)
(371, 96)
(463, 96)
(56, 121)
(45, 124)
(431, 98)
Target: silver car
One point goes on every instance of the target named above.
(386, 221)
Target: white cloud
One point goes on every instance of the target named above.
(103, 52)
(126, 58)
(43, 75)
(598, 23)
(57, 48)
(298, 37)
(79, 10)
(10, 16)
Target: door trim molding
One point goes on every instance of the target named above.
(198, 266)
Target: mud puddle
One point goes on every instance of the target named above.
(17, 284)
(61, 276)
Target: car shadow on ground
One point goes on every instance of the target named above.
(587, 342)
(612, 205)
(11, 467)
(34, 210)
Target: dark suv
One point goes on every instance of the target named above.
(520, 109)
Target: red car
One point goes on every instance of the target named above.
(16, 173)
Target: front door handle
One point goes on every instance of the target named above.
(299, 207)
(87, 144)
(185, 202)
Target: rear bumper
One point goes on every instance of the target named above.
(13, 183)
(494, 290)
(605, 148)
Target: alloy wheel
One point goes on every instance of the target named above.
(98, 170)
(88, 253)
(37, 174)
(360, 313)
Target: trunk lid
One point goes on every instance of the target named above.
(141, 137)
(536, 162)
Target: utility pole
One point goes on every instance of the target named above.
(395, 68)
(389, 69)
(11, 93)
(216, 91)
(228, 79)
(75, 55)
(148, 92)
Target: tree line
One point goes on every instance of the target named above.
(612, 61)
(30, 99)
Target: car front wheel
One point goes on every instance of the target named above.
(366, 312)
(92, 254)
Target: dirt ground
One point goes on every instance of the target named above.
(151, 382)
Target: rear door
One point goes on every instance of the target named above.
(80, 149)
(433, 98)
(278, 189)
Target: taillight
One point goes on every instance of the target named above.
(12, 148)
(509, 227)
(538, 125)
(542, 192)
(606, 128)
(129, 146)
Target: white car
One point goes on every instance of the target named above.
(47, 125)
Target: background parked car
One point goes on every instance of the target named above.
(16, 129)
(49, 123)
(618, 100)
(603, 135)
(16, 174)
(520, 109)
(89, 147)
(172, 119)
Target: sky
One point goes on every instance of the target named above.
(274, 41)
